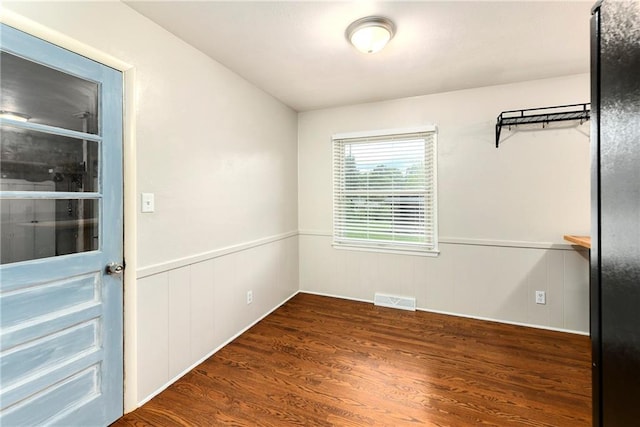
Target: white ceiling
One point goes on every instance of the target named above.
(297, 51)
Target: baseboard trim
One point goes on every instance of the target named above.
(194, 259)
(323, 294)
(468, 316)
(506, 322)
(211, 353)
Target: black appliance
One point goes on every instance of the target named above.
(615, 214)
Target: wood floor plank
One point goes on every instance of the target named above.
(319, 361)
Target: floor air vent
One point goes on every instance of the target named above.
(392, 301)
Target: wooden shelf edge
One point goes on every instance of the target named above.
(584, 241)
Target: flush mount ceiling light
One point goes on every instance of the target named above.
(19, 117)
(370, 34)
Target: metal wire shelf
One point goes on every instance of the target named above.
(542, 115)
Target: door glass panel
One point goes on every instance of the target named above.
(48, 96)
(30, 156)
(41, 228)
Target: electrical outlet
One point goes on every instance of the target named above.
(249, 297)
(541, 297)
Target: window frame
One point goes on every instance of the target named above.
(392, 246)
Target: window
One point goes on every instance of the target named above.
(384, 190)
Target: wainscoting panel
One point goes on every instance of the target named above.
(477, 280)
(179, 319)
(202, 308)
(153, 333)
(187, 313)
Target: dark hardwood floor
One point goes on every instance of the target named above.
(320, 361)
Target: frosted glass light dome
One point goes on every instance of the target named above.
(370, 34)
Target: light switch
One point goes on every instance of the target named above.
(148, 202)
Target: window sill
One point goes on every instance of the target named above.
(387, 250)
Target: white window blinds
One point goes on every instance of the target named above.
(384, 190)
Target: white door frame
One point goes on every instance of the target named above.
(130, 200)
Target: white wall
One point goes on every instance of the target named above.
(220, 156)
(502, 212)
